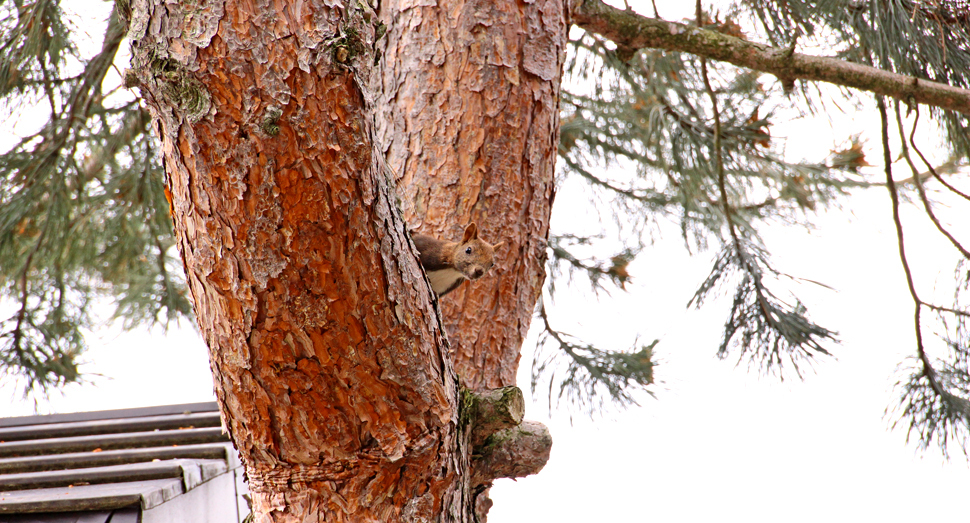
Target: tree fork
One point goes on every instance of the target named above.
(633, 31)
(329, 361)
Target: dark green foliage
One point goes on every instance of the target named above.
(83, 214)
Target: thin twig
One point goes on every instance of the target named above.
(940, 308)
(927, 163)
(928, 370)
(595, 180)
(722, 184)
(24, 294)
(927, 206)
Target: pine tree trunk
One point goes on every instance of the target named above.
(329, 360)
(469, 118)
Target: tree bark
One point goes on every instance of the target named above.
(469, 122)
(329, 359)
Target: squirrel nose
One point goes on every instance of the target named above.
(478, 272)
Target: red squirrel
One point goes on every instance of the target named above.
(450, 263)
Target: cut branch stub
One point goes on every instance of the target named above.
(503, 446)
(512, 453)
(490, 411)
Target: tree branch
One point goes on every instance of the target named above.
(512, 453)
(134, 123)
(630, 30)
(503, 446)
(928, 371)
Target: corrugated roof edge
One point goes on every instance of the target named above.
(207, 406)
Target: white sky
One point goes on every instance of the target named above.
(718, 443)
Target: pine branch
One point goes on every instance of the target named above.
(615, 270)
(82, 213)
(135, 122)
(97, 68)
(934, 399)
(767, 327)
(652, 111)
(590, 371)
(633, 31)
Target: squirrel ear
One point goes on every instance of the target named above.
(471, 233)
(497, 245)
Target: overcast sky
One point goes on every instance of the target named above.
(718, 443)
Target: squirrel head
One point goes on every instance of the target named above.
(473, 256)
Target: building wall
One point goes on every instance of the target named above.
(216, 501)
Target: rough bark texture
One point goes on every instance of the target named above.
(324, 343)
(328, 354)
(469, 121)
(633, 31)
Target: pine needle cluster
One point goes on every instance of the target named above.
(83, 213)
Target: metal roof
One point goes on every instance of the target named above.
(110, 464)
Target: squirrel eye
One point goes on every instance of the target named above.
(468, 250)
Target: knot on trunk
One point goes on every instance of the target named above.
(503, 446)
